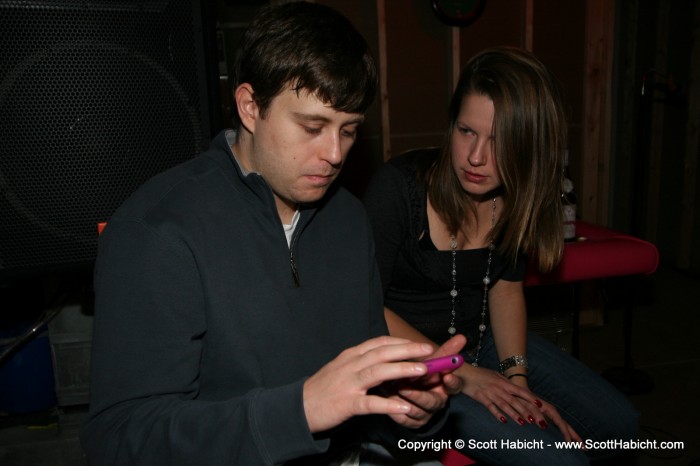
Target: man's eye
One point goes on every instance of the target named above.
(349, 133)
(312, 130)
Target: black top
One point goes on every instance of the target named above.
(416, 277)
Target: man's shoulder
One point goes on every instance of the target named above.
(340, 198)
(187, 183)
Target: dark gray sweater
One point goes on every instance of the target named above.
(202, 340)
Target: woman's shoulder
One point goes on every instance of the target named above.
(410, 167)
(402, 176)
(415, 160)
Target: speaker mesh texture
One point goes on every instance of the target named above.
(95, 98)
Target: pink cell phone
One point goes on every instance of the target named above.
(444, 364)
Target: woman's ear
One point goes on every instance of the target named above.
(247, 107)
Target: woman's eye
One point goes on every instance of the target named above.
(464, 130)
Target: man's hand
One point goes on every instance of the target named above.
(428, 394)
(339, 390)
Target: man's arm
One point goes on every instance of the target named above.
(145, 404)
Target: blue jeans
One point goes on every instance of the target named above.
(593, 407)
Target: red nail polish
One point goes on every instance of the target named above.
(538, 403)
(531, 419)
(503, 419)
(543, 424)
(521, 421)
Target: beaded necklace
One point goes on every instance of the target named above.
(486, 281)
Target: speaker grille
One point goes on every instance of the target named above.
(93, 101)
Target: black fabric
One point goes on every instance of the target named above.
(416, 277)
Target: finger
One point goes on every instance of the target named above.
(373, 404)
(376, 342)
(518, 411)
(404, 351)
(427, 401)
(452, 346)
(453, 384)
(563, 427)
(392, 362)
(524, 394)
(377, 374)
(409, 422)
(567, 431)
(495, 411)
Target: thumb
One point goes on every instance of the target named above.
(452, 346)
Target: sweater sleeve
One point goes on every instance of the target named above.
(147, 346)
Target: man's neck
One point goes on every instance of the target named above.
(241, 149)
(285, 209)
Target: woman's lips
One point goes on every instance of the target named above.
(474, 177)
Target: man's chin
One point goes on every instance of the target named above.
(312, 195)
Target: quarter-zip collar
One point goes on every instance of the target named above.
(259, 187)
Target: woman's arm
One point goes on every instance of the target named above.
(509, 324)
(402, 329)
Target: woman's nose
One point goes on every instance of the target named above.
(478, 156)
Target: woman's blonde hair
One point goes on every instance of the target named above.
(530, 132)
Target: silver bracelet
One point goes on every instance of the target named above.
(517, 360)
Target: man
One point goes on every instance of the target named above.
(217, 339)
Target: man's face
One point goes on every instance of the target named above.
(299, 147)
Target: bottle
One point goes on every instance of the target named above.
(568, 201)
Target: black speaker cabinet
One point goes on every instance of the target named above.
(95, 98)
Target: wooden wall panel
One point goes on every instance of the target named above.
(417, 55)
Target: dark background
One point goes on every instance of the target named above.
(97, 97)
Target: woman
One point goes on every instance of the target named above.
(454, 227)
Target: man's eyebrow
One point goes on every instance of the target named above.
(321, 118)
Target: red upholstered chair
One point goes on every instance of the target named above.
(599, 253)
(454, 458)
(604, 254)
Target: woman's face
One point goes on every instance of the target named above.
(473, 158)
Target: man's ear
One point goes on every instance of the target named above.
(247, 107)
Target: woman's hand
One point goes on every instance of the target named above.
(504, 398)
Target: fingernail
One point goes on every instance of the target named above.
(503, 419)
(538, 403)
(531, 419)
(521, 421)
(427, 348)
(420, 368)
(543, 424)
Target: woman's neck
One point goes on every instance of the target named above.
(475, 229)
